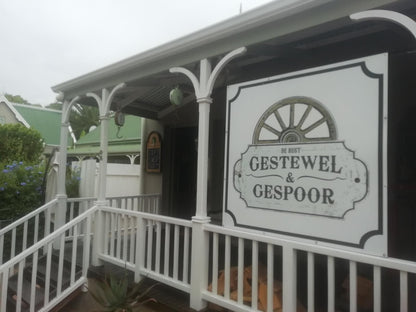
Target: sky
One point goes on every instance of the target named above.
(47, 42)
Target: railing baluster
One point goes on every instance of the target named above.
(270, 277)
(377, 288)
(289, 278)
(74, 252)
(132, 239)
(185, 255)
(311, 282)
(255, 274)
(33, 281)
(176, 252)
(158, 244)
(149, 228)
(403, 292)
(125, 236)
(24, 245)
(48, 273)
(140, 247)
(19, 286)
(13, 246)
(331, 284)
(86, 247)
(215, 263)
(60, 264)
(47, 222)
(118, 218)
(71, 216)
(167, 248)
(106, 232)
(1, 248)
(36, 230)
(227, 266)
(240, 269)
(112, 234)
(135, 203)
(3, 294)
(353, 286)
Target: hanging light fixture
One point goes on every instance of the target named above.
(176, 96)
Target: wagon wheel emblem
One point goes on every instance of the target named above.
(295, 119)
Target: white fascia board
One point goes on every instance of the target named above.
(266, 22)
(18, 116)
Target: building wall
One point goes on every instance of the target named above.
(6, 115)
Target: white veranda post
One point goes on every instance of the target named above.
(203, 90)
(104, 104)
(61, 190)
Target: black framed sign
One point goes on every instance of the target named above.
(306, 155)
(153, 153)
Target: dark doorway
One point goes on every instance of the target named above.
(180, 171)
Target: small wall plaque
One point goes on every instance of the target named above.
(154, 155)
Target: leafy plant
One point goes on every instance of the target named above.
(20, 188)
(72, 182)
(115, 296)
(20, 143)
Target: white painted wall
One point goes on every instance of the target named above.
(122, 179)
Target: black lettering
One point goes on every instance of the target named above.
(278, 192)
(284, 159)
(309, 161)
(323, 163)
(273, 162)
(254, 163)
(294, 162)
(257, 191)
(264, 163)
(327, 196)
(288, 191)
(300, 194)
(310, 195)
(268, 191)
(334, 165)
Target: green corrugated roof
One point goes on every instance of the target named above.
(124, 141)
(46, 121)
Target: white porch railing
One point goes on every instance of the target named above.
(26, 231)
(23, 233)
(245, 272)
(148, 245)
(289, 275)
(149, 203)
(293, 262)
(41, 295)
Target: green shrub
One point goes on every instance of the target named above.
(20, 188)
(20, 143)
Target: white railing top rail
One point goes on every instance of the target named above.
(46, 240)
(386, 262)
(80, 199)
(150, 216)
(134, 196)
(28, 216)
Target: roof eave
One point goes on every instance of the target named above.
(248, 28)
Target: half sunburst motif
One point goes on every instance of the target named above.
(295, 119)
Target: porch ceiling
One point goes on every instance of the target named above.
(274, 33)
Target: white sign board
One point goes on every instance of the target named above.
(306, 155)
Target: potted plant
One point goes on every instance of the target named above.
(115, 295)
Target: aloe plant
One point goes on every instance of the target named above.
(114, 295)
